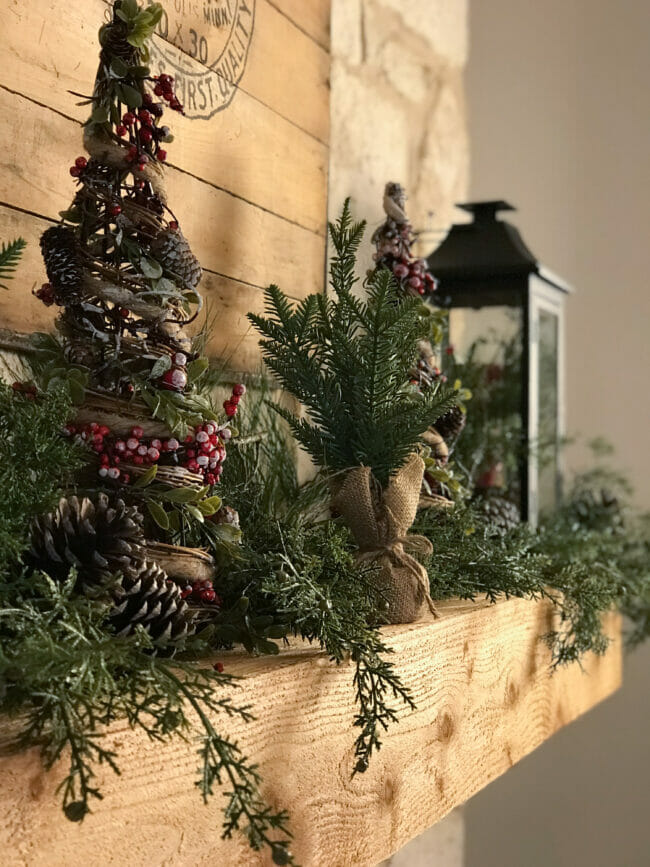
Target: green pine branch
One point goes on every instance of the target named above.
(10, 255)
(347, 360)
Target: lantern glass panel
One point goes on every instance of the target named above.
(488, 344)
(548, 439)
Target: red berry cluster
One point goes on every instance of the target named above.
(393, 241)
(26, 389)
(414, 276)
(98, 437)
(46, 294)
(201, 591)
(165, 87)
(205, 451)
(202, 452)
(175, 379)
(77, 169)
(143, 129)
(231, 404)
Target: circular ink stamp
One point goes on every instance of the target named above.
(205, 43)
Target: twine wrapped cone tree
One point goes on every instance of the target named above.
(126, 281)
(347, 360)
(394, 240)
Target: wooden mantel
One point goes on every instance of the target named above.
(485, 699)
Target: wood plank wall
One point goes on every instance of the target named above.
(247, 174)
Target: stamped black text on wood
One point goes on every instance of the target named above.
(204, 45)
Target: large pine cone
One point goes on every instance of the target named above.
(62, 261)
(99, 539)
(499, 513)
(173, 252)
(150, 599)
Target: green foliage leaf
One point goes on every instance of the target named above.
(128, 95)
(158, 514)
(183, 495)
(196, 369)
(99, 114)
(118, 67)
(151, 268)
(209, 506)
(146, 478)
(160, 367)
(10, 255)
(195, 512)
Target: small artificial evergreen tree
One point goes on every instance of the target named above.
(347, 360)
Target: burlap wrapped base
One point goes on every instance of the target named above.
(380, 520)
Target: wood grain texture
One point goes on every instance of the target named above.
(228, 235)
(312, 16)
(485, 699)
(250, 149)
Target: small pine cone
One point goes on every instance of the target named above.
(173, 252)
(598, 510)
(113, 39)
(82, 353)
(451, 424)
(98, 538)
(227, 515)
(62, 261)
(150, 599)
(498, 512)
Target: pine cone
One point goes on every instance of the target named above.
(597, 510)
(150, 599)
(62, 261)
(173, 252)
(99, 539)
(451, 424)
(498, 512)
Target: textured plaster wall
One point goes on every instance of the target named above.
(398, 108)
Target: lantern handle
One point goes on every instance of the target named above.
(485, 212)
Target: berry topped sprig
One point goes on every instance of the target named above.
(393, 241)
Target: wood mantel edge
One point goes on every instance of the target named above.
(485, 699)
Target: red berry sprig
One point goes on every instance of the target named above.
(80, 165)
(46, 294)
(25, 389)
(202, 452)
(201, 593)
(230, 405)
(394, 242)
(165, 87)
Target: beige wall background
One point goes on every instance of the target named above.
(559, 126)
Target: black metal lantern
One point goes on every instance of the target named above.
(507, 312)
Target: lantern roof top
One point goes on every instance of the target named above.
(486, 248)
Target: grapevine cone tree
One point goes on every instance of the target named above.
(126, 282)
(394, 240)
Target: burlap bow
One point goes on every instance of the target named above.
(380, 520)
